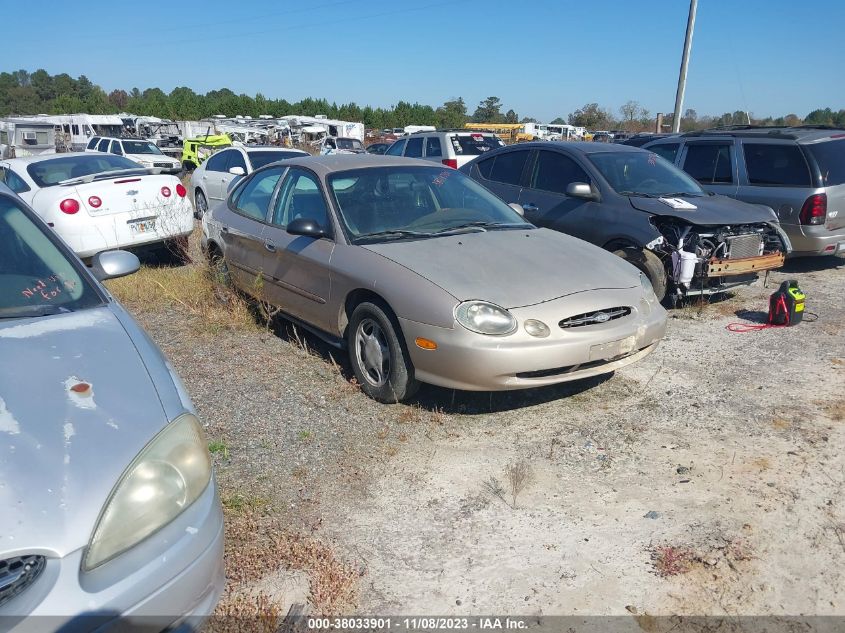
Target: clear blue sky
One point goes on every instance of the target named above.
(543, 58)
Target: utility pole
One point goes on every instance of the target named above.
(682, 77)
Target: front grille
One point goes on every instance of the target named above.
(595, 318)
(740, 246)
(162, 165)
(18, 573)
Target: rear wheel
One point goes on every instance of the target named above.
(201, 204)
(377, 355)
(650, 264)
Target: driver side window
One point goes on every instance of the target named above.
(300, 197)
(554, 172)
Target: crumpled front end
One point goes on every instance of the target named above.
(704, 260)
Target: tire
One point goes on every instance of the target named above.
(218, 269)
(200, 204)
(377, 355)
(188, 166)
(650, 264)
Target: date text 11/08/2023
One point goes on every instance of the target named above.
(423, 623)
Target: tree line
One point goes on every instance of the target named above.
(22, 92)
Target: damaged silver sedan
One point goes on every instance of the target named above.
(111, 515)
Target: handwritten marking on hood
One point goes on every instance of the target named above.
(7, 421)
(191, 530)
(80, 393)
(69, 431)
(39, 327)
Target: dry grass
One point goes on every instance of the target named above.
(191, 290)
(257, 545)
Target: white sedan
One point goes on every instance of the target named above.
(211, 181)
(98, 202)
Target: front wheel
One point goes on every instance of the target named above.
(648, 263)
(379, 360)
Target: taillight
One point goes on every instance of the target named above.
(69, 206)
(181, 191)
(165, 191)
(814, 210)
(450, 162)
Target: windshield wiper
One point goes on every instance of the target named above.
(392, 234)
(681, 194)
(640, 194)
(483, 226)
(32, 311)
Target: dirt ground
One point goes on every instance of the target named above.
(707, 479)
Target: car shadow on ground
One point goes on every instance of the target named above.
(812, 264)
(429, 397)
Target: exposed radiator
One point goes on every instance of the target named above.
(740, 246)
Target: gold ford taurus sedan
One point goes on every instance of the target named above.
(425, 276)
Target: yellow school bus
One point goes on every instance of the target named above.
(508, 132)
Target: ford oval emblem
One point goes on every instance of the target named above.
(601, 317)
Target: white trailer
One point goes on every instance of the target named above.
(26, 136)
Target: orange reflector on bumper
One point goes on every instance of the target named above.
(425, 343)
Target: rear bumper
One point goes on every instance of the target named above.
(815, 240)
(88, 235)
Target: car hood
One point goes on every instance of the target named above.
(511, 268)
(152, 158)
(709, 211)
(63, 447)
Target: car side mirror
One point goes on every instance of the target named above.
(580, 190)
(113, 264)
(237, 171)
(306, 227)
(517, 207)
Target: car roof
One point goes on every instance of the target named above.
(582, 147)
(800, 133)
(326, 165)
(27, 160)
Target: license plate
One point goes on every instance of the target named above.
(613, 349)
(142, 226)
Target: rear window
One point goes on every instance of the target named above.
(47, 173)
(474, 144)
(776, 164)
(830, 157)
(508, 167)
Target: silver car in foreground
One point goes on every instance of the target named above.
(110, 509)
(424, 275)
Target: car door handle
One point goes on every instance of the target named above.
(530, 206)
(270, 246)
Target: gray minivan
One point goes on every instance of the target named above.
(798, 171)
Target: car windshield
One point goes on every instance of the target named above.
(259, 159)
(405, 202)
(47, 173)
(474, 144)
(644, 174)
(140, 147)
(36, 278)
(349, 143)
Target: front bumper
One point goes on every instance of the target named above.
(808, 240)
(174, 577)
(475, 362)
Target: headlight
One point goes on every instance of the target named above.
(485, 318)
(163, 480)
(648, 289)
